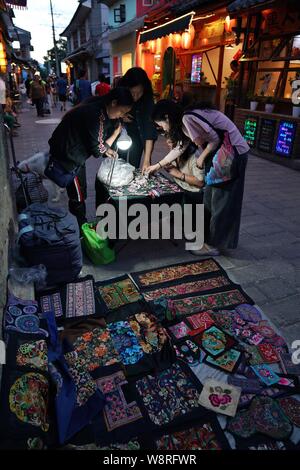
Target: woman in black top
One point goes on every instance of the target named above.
(88, 129)
(139, 124)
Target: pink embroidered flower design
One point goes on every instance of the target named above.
(218, 400)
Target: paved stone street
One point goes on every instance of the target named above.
(267, 261)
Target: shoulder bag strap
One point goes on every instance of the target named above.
(220, 132)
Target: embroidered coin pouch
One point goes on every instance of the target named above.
(220, 397)
(227, 362)
(189, 352)
(27, 351)
(214, 341)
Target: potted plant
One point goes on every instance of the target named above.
(270, 104)
(253, 101)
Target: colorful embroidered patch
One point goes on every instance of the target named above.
(288, 382)
(168, 395)
(187, 288)
(253, 355)
(268, 352)
(264, 416)
(150, 334)
(266, 374)
(85, 385)
(264, 328)
(196, 438)
(80, 299)
(23, 318)
(52, 303)
(200, 321)
(28, 400)
(96, 349)
(249, 313)
(117, 412)
(189, 352)
(175, 272)
(227, 362)
(220, 397)
(291, 408)
(119, 293)
(214, 341)
(199, 303)
(125, 342)
(269, 418)
(33, 354)
(180, 330)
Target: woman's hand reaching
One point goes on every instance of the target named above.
(111, 153)
(152, 169)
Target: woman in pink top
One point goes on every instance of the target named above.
(205, 127)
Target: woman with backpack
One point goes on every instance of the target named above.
(223, 156)
(88, 129)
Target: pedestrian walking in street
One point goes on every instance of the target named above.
(37, 94)
(82, 87)
(215, 135)
(139, 124)
(102, 88)
(62, 87)
(88, 129)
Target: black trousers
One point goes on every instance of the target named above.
(223, 209)
(77, 192)
(39, 104)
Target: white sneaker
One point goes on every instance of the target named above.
(206, 250)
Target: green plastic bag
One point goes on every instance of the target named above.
(96, 247)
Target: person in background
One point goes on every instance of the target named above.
(102, 88)
(116, 81)
(38, 94)
(27, 85)
(88, 129)
(82, 87)
(62, 88)
(235, 67)
(138, 123)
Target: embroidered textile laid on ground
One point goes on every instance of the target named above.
(175, 358)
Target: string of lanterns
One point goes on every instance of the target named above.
(175, 40)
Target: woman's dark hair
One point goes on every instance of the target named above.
(121, 95)
(167, 109)
(136, 76)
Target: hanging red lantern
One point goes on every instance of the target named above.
(227, 24)
(186, 40)
(152, 46)
(158, 46)
(170, 40)
(192, 32)
(177, 40)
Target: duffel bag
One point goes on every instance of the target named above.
(50, 236)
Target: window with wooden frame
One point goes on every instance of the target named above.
(277, 65)
(120, 14)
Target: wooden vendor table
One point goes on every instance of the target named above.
(275, 137)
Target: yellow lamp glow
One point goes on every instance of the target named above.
(186, 40)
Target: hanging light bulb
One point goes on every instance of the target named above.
(227, 24)
(124, 142)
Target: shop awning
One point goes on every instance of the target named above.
(174, 26)
(238, 5)
(17, 3)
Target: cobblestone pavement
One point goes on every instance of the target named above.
(267, 261)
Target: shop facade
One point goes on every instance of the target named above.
(269, 79)
(193, 50)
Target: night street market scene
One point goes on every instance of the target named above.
(150, 230)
